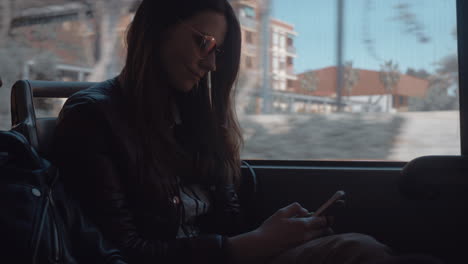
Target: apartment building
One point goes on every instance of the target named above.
(282, 52)
(249, 17)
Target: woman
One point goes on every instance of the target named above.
(153, 155)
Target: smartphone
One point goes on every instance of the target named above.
(337, 200)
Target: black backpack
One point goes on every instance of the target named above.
(25, 184)
(38, 222)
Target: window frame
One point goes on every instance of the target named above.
(462, 41)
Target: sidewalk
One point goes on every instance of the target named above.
(427, 133)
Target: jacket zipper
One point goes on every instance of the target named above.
(56, 233)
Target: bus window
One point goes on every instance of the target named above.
(367, 80)
(350, 80)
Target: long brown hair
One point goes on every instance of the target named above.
(211, 123)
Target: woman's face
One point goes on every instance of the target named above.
(181, 52)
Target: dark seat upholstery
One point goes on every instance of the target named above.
(435, 188)
(38, 131)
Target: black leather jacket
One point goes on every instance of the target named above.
(95, 154)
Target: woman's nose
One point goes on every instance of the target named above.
(209, 62)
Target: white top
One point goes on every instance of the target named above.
(196, 202)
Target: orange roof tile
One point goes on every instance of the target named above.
(368, 84)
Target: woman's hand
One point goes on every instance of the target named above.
(287, 228)
(291, 226)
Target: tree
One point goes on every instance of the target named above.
(438, 97)
(309, 82)
(410, 22)
(351, 77)
(421, 73)
(448, 69)
(389, 76)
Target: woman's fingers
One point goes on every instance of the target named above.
(303, 213)
(292, 210)
(308, 228)
(316, 222)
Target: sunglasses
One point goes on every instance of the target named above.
(207, 43)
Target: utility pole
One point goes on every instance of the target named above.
(339, 55)
(266, 84)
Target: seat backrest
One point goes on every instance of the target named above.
(39, 131)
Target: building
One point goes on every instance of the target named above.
(249, 18)
(282, 50)
(366, 94)
(283, 54)
(67, 34)
(76, 42)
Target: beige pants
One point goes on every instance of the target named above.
(350, 248)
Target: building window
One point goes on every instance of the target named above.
(275, 63)
(247, 11)
(282, 42)
(290, 42)
(282, 63)
(403, 100)
(275, 39)
(290, 61)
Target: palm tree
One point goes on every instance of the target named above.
(389, 76)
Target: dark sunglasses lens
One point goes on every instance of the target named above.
(208, 45)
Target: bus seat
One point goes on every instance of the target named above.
(435, 187)
(430, 177)
(39, 131)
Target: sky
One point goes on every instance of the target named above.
(315, 23)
